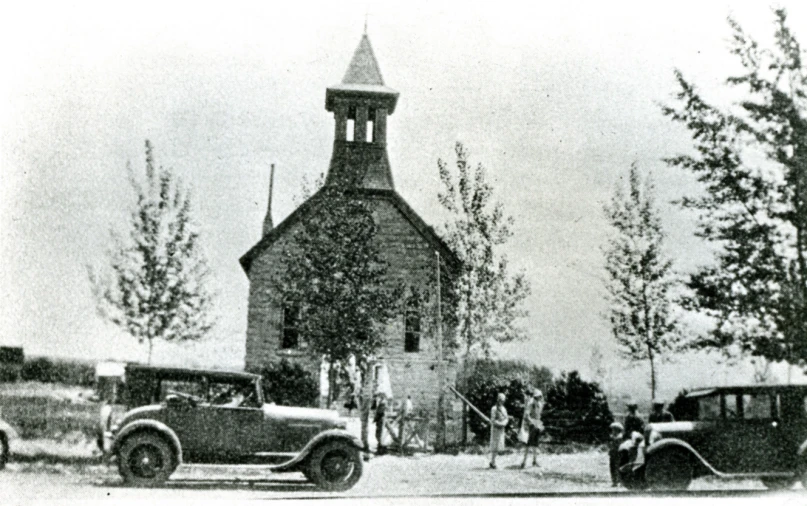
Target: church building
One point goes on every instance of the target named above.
(360, 105)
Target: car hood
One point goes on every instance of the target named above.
(667, 429)
(293, 413)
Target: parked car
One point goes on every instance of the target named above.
(757, 431)
(194, 416)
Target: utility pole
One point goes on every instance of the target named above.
(441, 415)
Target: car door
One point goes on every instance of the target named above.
(751, 439)
(234, 419)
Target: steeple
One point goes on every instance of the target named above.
(360, 105)
(268, 225)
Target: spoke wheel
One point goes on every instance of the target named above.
(335, 466)
(669, 470)
(145, 460)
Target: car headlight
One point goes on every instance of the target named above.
(341, 424)
(653, 437)
(114, 429)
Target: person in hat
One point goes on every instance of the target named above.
(632, 421)
(659, 414)
(533, 424)
(380, 414)
(498, 424)
(615, 439)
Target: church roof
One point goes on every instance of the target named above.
(363, 76)
(308, 206)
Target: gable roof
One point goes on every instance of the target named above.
(308, 206)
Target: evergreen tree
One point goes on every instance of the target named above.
(751, 159)
(639, 276)
(488, 300)
(335, 274)
(154, 285)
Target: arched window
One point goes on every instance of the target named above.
(412, 326)
(290, 332)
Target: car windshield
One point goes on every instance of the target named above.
(709, 407)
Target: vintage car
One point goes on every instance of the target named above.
(757, 431)
(217, 417)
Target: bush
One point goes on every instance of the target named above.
(482, 380)
(68, 372)
(577, 410)
(290, 384)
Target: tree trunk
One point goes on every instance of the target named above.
(652, 372)
(151, 346)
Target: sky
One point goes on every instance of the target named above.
(555, 99)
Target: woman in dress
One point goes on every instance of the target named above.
(498, 425)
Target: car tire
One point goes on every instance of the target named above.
(778, 483)
(146, 460)
(335, 466)
(669, 470)
(3, 450)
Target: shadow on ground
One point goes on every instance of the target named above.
(247, 485)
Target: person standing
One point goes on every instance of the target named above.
(379, 418)
(615, 440)
(659, 414)
(632, 421)
(498, 425)
(533, 424)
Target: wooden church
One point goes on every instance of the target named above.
(360, 105)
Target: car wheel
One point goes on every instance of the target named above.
(335, 466)
(669, 470)
(778, 483)
(145, 460)
(3, 450)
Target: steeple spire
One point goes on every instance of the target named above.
(360, 105)
(268, 225)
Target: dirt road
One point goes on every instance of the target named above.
(579, 476)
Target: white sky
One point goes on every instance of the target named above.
(556, 99)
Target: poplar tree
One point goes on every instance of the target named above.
(154, 284)
(751, 160)
(335, 274)
(639, 276)
(487, 298)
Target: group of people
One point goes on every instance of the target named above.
(530, 429)
(379, 408)
(633, 427)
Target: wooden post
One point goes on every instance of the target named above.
(441, 415)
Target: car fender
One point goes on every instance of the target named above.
(677, 443)
(151, 426)
(8, 431)
(322, 437)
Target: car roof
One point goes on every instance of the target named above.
(700, 392)
(182, 372)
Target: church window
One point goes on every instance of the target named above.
(290, 338)
(371, 125)
(412, 327)
(351, 129)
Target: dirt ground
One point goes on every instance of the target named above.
(385, 476)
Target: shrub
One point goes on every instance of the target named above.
(69, 372)
(290, 384)
(482, 380)
(576, 410)
(38, 369)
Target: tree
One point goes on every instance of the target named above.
(751, 159)
(154, 285)
(639, 277)
(576, 410)
(336, 276)
(487, 298)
